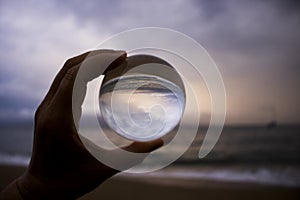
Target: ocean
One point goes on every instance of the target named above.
(243, 154)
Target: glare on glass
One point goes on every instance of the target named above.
(141, 107)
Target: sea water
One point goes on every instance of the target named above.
(243, 154)
(141, 107)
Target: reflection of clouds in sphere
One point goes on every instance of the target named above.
(141, 107)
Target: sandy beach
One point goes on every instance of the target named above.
(130, 187)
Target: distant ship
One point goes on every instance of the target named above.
(272, 124)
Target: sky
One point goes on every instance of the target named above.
(255, 44)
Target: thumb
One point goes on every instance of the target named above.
(118, 158)
(144, 147)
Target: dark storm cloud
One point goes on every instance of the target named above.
(15, 108)
(251, 25)
(263, 33)
(288, 6)
(255, 44)
(90, 10)
(16, 102)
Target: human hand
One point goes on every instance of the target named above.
(61, 167)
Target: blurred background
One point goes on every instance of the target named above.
(255, 44)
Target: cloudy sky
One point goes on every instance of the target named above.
(254, 43)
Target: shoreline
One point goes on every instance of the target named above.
(155, 187)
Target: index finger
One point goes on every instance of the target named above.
(76, 79)
(68, 65)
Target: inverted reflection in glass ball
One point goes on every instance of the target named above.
(141, 107)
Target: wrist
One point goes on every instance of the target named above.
(31, 188)
(11, 191)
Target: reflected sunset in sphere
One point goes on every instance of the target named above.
(141, 107)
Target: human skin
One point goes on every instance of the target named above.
(61, 167)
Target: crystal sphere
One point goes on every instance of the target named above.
(141, 107)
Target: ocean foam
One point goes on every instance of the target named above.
(289, 176)
(18, 160)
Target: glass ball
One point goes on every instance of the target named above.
(141, 106)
